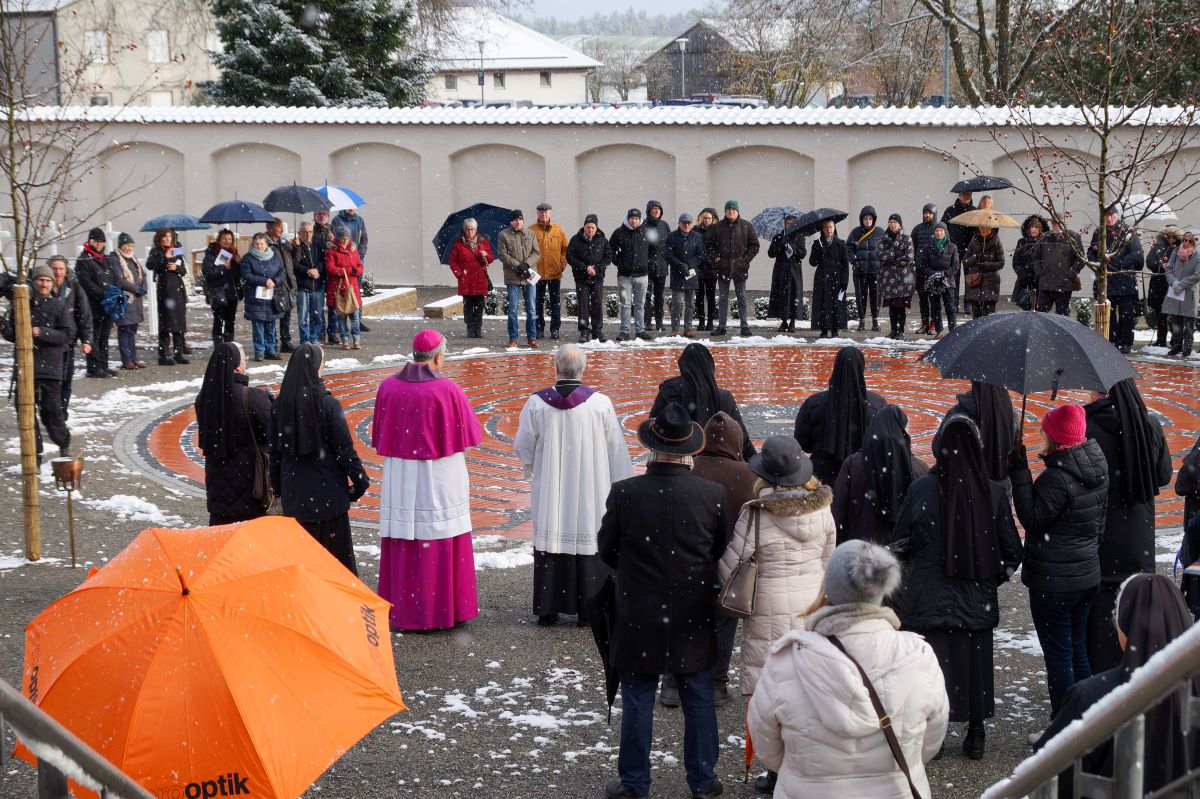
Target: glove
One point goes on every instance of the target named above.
(1018, 459)
(358, 489)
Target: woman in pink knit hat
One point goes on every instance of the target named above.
(1063, 514)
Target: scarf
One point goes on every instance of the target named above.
(887, 458)
(837, 619)
(262, 255)
(97, 255)
(299, 421)
(217, 410)
(666, 457)
(473, 244)
(972, 546)
(846, 410)
(701, 397)
(1137, 444)
(940, 244)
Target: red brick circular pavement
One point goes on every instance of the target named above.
(769, 383)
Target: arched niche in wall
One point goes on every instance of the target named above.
(616, 177)
(389, 178)
(500, 174)
(898, 180)
(140, 180)
(251, 170)
(759, 176)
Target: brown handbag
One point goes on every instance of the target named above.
(346, 301)
(885, 721)
(736, 597)
(260, 488)
(974, 280)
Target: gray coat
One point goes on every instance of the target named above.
(518, 251)
(1185, 275)
(135, 289)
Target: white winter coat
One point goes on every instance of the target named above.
(812, 720)
(796, 537)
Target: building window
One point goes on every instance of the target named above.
(213, 43)
(101, 99)
(158, 48)
(497, 80)
(451, 82)
(545, 78)
(161, 99)
(96, 45)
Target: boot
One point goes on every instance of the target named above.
(346, 343)
(180, 359)
(764, 784)
(875, 323)
(357, 345)
(973, 744)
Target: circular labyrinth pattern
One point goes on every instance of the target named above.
(769, 383)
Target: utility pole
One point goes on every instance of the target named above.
(480, 42)
(682, 42)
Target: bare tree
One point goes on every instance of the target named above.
(621, 65)
(906, 45)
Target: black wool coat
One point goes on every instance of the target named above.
(787, 276)
(1063, 514)
(810, 432)
(221, 281)
(172, 293)
(929, 599)
(79, 310)
(662, 533)
(1128, 544)
(229, 481)
(582, 253)
(831, 275)
(94, 276)
(316, 487)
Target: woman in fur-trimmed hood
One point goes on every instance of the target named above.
(796, 536)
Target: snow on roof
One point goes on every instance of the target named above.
(507, 44)
(1054, 116)
(35, 6)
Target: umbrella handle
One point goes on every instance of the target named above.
(1054, 386)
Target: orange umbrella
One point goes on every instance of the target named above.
(239, 660)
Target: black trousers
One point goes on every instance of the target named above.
(654, 300)
(1183, 330)
(48, 396)
(223, 321)
(334, 535)
(866, 291)
(979, 309)
(897, 317)
(1060, 301)
(167, 340)
(706, 304)
(1120, 331)
(473, 315)
(97, 359)
(923, 299)
(68, 376)
(548, 290)
(591, 307)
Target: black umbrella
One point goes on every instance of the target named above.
(232, 212)
(491, 219)
(601, 609)
(981, 183)
(810, 223)
(1030, 352)
(296, 200)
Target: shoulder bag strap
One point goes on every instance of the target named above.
(746, 540)
(885, 721)
(250, 420)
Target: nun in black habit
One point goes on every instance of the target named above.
(1150, 614)
(958, 542)
(1139, 463)
(991, 409)
(232, 420)
(315, 470)
(696, 389)
(831, 423)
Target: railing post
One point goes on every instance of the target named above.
(1129, 746)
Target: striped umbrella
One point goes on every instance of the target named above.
(340, 197)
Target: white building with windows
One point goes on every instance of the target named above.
(519, 65)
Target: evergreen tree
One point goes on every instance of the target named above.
(328, 53)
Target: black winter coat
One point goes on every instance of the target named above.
(673, 389)
(94, 276)
(304, 258)
(1126, 256)
(657, 231)
(630, 251)
(1128, 543)
(732, 246)
(1056, 263)
(229, 481)
(221, 280)
(1156, 264)
(315, 488)
(810, 432)
(582, 253)
(861, 248)
(787, 276)
(946, 263)
(922, 237)
(684, 253)
(831, 275)
(986, 257)
(662, 533)
(1063, 514)
(79, 310)
(172, 293)
(708, 269)
(1024, 262)
(53, 322)
(930, 599)
(960, 235)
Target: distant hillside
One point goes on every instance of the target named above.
(618, 23)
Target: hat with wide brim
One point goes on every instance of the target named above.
(782, 462)
(672, 432)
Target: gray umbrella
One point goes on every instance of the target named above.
(769, 222)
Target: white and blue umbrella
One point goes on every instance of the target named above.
(769, 222)
(340, 197)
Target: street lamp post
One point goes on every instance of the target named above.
(682, 42)
(481, 75)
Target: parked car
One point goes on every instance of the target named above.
(741, 101)
(852, 101)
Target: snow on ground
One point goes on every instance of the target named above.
(1026, 642)
(343, 364)
(496, 552)
(17, 561)
(136, 509)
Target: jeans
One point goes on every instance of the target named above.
(310, 308)
(515, 293)
(1061, 619)
(331, 323)
(591, 307)
(1183, 331)
(1060, 301)
(285, 328)
(654, 305)
(700, 742)
(866, 292)
(1121, 327)
(551, 288)
(264, 337)
(127, 344)
(739, 288)
(350, 326)
(687, 299)
(632, 291)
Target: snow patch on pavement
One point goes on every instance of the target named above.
(135, 509)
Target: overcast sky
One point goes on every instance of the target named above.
(573, 9)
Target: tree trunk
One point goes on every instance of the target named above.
(1101, 317)
(26, 420)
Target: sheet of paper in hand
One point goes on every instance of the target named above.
(263, 293)
(223, 257)
(1177, 293)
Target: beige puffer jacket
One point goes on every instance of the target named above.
(796, 537)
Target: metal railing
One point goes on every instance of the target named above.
(60, 753)
(1120, 717)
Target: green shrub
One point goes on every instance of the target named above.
(1082, 308)
(368, 285)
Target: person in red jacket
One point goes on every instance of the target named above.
(469, 259)
(343, 270)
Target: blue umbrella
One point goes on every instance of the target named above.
(175, 222)
(295, 199)
(490, 218)
(769, 222)
(231, 212)
(341, 197)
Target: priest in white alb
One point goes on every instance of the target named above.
(571, 444)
